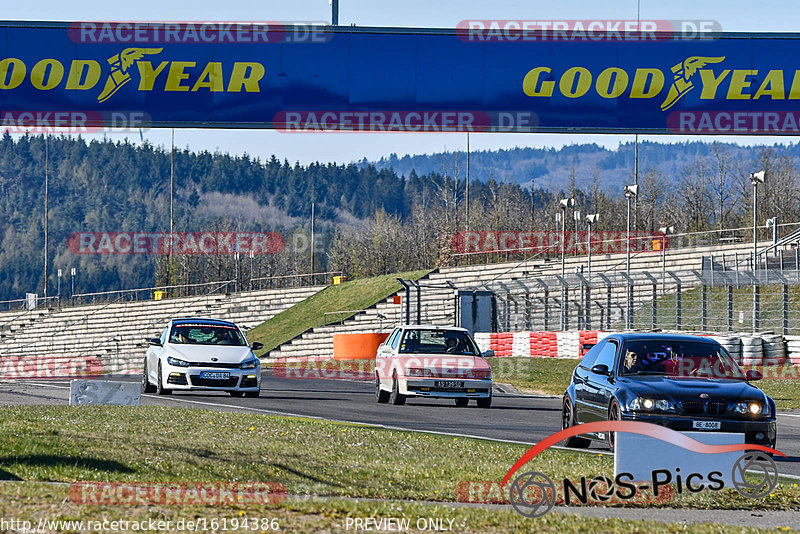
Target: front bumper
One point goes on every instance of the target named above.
(756, 431)
(189, 378)
(426, 387)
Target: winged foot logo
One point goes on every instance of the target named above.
(120, 63)
(683, 72)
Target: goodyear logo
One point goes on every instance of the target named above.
(695, 73)
(142, 64)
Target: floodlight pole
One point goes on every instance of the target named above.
(755, 179)
(334, 12)
(590, 219)
(46, 209)
(755, 225)
(565, 203)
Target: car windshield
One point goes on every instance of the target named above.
(206, 334)
(438, 342)
(693, 359)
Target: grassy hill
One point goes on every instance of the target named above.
(354, 295)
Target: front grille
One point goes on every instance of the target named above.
(716, 407)
(229, 383)
(692, 407)
(215, 364)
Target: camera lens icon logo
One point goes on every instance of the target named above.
(763, 476)
(532, 494)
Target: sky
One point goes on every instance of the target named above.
(732, 15)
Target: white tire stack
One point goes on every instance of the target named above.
(793, 349)
(752, 351)
(732, 344)
(774, 349)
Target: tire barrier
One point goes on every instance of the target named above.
(733, 344)
(793, 349)
(747, 349)
(752, 351)
(774, 349)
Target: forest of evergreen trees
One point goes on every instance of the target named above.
(368, 220)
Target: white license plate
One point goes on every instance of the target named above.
(214, 375)
(706, 425)
(449, 384)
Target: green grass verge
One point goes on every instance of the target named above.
(36, 501)
(353, 295)
(534, 375)
(309, 457)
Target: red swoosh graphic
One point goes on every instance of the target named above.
(633, 427)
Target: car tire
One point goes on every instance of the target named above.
(462, 402)
(567, 421)
(236, 393)
(160, 390)
(147, 387)
(485, 402)
(380, 395)
(252, 394)
(613, 415)
(395, 397)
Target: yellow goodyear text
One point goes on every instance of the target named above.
(641, 83)
(170, 76)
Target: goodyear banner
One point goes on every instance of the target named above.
(313, 77)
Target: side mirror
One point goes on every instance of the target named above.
(601, 369)
(488, 353)
(257, 346)
(754, 374)
(154, 341)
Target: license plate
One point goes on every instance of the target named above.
(706, 425)
(214, 375)
(449, 384)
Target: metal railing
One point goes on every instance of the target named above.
(724, 236)
(692, 300)
(340, 316)
(294, 280)
(118, 295)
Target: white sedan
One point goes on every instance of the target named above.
(432, 361)
(202, 354)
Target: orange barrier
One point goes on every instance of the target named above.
(356, 346)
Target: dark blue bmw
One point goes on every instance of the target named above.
(686, 383)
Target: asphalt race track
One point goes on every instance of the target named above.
(512, 417)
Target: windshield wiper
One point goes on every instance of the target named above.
(647, 373)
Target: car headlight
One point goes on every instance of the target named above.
(643, 404)
(751, 408)
(418, 371)
(249, 364)
(176, 362)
